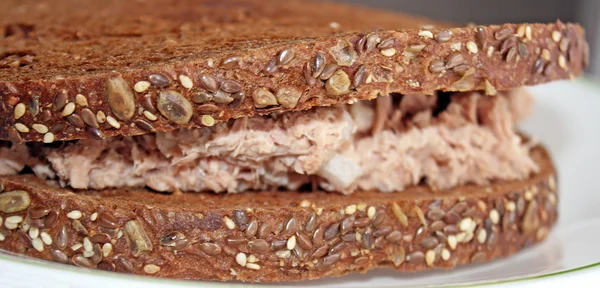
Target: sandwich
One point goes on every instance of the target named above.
(267, 141)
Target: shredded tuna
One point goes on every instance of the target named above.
(472, 140)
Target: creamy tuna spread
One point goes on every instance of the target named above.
(387, 144)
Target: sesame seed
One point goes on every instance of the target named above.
(350, 209)
(106, 249)
(76, 246)
(94, 216)
(151, 269)
(10, 225)
(481, 236)
(186, 81)
(371, 212)
(521, 31)
(361, 206)
(494, 216)
(556, 36)
(141, 86)
(562, 62)
(546, 54)
(75, 214)
(304, 203)
(16, 219)
(253, 266)
(528, 33)
(240, 258)
(465, 224)
(426, 34)
(229, 223)
(430, 257)
(334, 25)
(472, 47)
(120, 234)
(40, 128)
(46, 238)
(81, 100)
(20, 110)
(389, 52)
(2, 237)
(69, 109)
(510, 206)
(208, 120)
(460, 237)
(452, 242)
(291, 243)
(283, 253)
(456, 46)
(528, 195)
(34, 232)
(101, 117)
(416, 48)
(150, 116)
(413, 83)
(319, 211)
(445, 254)
(21, 128)
(490, 51)
(48, 137)
(252, 259)
(87, 244)
(113, 122)
(37, 244)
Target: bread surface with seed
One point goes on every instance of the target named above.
(117, 59)
(288, 236)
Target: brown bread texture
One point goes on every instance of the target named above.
(276, 236)
(79, 69)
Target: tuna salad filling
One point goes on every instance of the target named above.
(386, 144)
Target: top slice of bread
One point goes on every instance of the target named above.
(77, 69)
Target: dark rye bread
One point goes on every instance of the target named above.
(72, 69)
(276, 236)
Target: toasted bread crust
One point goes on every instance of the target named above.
(222, 67)
(276, 236)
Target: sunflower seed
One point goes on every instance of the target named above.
(338, 84)
(14, 201)
(263, 98)
(120, 98)
(138, 240)
(174, 107)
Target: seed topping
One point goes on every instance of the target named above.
(120, 98)
(174, 107)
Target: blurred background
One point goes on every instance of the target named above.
(586, 12)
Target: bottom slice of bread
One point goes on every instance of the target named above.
(276, 236)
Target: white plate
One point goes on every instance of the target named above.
(566, 119)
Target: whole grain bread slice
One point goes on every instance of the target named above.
(276, 236)
(90, 69)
